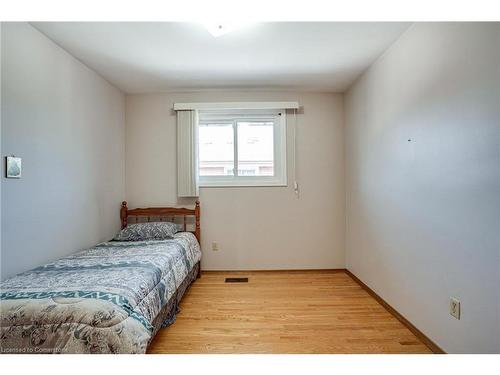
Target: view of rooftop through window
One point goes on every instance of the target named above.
(255, 149)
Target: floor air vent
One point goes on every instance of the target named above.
(236, 279)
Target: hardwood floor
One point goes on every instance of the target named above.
(283, 312)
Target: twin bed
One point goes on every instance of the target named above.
(112, 298)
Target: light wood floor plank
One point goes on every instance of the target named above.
(283, 312)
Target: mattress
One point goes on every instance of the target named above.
(107, 299)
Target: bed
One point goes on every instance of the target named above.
(112, 298)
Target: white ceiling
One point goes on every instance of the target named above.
(152, 57)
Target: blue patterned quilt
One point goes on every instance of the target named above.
(100, 300)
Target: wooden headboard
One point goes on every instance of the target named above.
(162, 214)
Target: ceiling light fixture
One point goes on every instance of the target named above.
(218, 29)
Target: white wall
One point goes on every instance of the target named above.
(1, 154)
(256, 228)
(423, 216)
(67, 124)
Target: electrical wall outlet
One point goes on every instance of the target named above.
(455, 308)
(215, 246)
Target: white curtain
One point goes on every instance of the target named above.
(187, 154)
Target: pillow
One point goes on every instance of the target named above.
(147, 231)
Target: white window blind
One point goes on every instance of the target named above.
(236, 105)
(187, 154)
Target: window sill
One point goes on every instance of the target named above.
(242, 184)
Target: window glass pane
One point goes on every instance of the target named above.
(216, 150)
(255, 148)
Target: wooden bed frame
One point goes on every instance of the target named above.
(152, 214)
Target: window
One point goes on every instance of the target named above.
(242, 149)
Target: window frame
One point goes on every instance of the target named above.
(278, 117)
